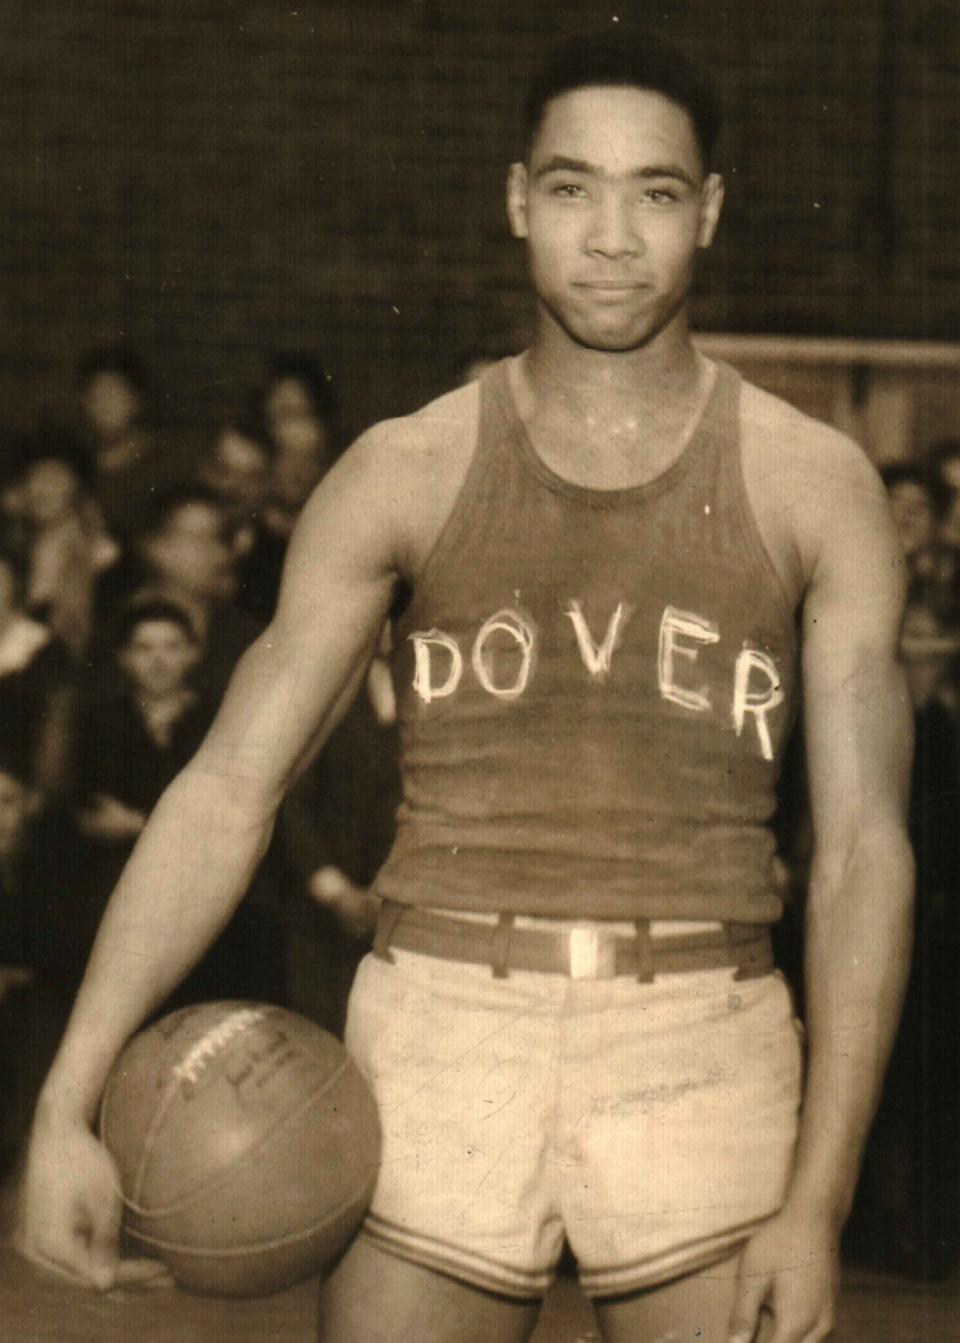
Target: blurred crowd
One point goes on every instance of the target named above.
(136, 566)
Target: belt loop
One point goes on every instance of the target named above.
(388, 916)
(644, 951)
(500, 945)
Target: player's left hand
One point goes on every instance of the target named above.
(789, 1269)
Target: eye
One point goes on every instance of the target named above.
(660, 196)
(569, 191)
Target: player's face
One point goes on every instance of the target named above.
(614, 204)
(158, 658)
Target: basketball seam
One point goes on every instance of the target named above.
(238, 1251)
(165, 1102)
(139, 1177)
(229, 1172)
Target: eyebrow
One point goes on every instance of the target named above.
(560, 163)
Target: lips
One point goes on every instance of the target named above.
(610, 286)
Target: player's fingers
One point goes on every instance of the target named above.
(143, 1273)
(745, 1319)
(62, 1265)
(104, 1244)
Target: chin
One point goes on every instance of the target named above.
(611, 342)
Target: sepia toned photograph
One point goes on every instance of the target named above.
(479, 671)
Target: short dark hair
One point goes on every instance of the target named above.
(639, 58)
(53, 443)
(310, 373)
(155, 609)
(113, 359)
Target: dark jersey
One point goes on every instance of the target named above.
(595, 688)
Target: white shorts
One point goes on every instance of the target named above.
(651, 1125)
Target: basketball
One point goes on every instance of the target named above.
(247, 1142)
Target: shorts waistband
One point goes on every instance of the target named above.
(580, 951)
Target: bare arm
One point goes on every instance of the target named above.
(202, 844)
(859, 920)
(860, 910)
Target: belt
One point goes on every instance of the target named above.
(586, 951)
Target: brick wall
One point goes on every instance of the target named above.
(211, 179)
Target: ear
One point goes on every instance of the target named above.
(517, 199)
(711, 203)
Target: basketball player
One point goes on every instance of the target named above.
(614, 548)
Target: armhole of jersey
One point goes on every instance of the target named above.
(454, 525)
(753, 536)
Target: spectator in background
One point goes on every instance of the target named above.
(189, 559)
(131, 461)
(131, 745)
(943, 474)
(302, 416)
(933, 562)
(112, 388)
(238, 467)
(905, 1215)
(37, 688)
(66, 540)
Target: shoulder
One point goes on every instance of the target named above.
(408, 472)
(784, 437)
(811, 487)
(431, 440)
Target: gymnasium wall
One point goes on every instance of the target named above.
(210, 179)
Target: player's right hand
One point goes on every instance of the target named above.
(69, 1206)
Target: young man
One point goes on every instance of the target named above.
(568, 1017)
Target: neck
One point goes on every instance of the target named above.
(606, 383)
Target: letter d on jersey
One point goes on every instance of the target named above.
(423, 683)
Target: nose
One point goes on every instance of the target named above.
(613, 233)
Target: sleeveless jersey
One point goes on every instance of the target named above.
(594, 688)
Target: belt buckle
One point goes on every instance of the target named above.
(591, 953)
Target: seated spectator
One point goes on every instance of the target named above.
(37, 688)
(943, 475)
(130, 461)
(66, 540)
(131, 745)
(238, 467)
(914, 505)
(302, 416)
(297, 386)
(187, 554)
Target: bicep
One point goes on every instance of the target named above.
(292, 683)
(856, 708)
